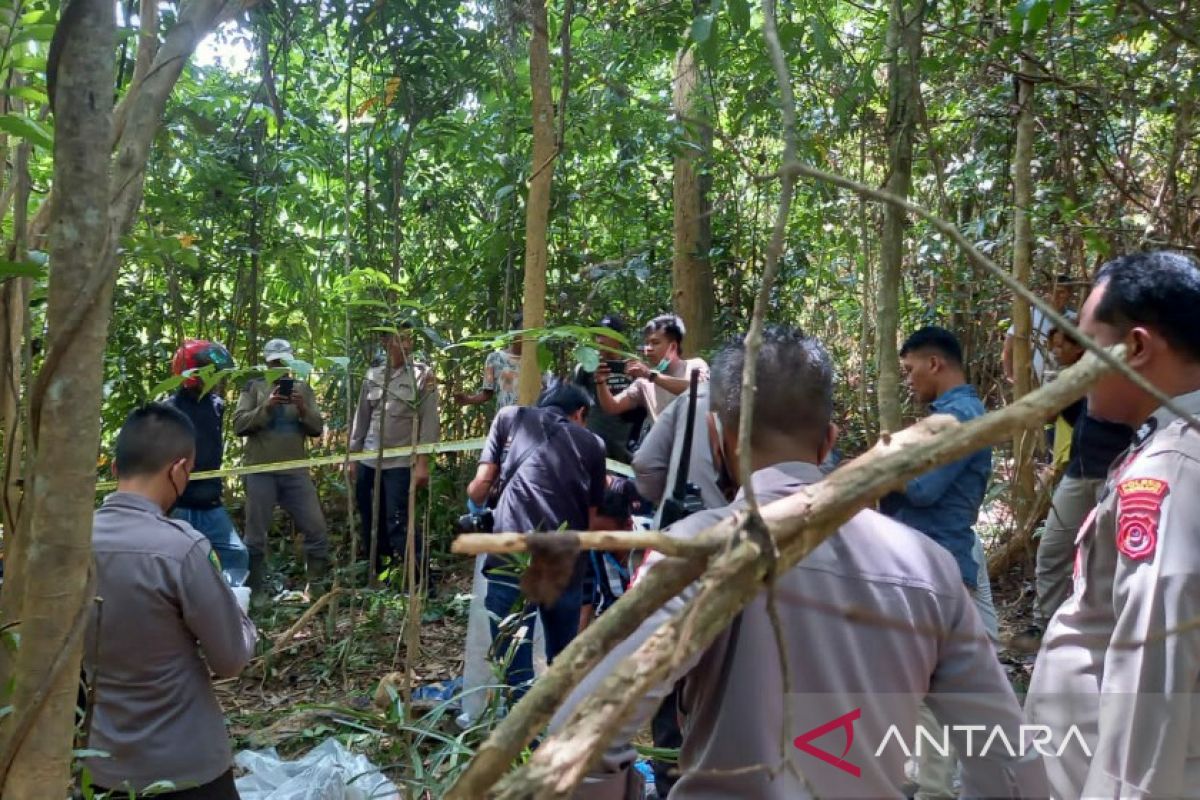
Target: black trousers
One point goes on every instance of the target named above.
(389, 512)
(222, 788)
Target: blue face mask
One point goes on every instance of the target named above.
(662, 365)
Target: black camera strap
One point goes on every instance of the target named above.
(507, 477)
(685, 453)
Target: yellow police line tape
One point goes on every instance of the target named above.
(461, 446)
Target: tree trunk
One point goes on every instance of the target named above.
(904, 87)
(691, 271)
(1025, 443)
(537, 207)
(84, 218)
(65, 429)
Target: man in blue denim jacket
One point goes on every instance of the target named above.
(944, 503)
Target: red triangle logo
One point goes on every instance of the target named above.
(846, 722)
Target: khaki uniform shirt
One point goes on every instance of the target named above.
(168, 619)
(1121, 657)
(279, 433)
(874, 620)
(412, 394)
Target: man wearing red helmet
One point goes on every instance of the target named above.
(200, 504)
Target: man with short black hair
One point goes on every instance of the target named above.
(734, 691)
(944, 503)
(1121, 657)
(154, 711)
(551, 474)
(654, 387)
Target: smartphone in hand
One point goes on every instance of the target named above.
(285, 387)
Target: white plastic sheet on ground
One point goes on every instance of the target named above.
(328, 772)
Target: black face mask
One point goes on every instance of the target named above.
(178, 491)
(725, 481)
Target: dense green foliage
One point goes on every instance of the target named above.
(325, 150)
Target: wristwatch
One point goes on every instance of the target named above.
(653, 377)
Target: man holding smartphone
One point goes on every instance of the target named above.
(620, 432)
(276, 418)
(653, 387)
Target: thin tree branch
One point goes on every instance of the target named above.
(952, 232)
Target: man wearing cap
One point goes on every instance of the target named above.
(405, 414)
(200, 503)
(619, 431)
(276, 418)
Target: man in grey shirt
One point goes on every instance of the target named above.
(873, 621)
(167, 621)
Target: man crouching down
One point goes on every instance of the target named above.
(154, 713)
(874, 621)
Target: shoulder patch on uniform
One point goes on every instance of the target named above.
(214, 559)
(1139, 506)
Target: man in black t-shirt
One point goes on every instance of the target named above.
(620, 432)
(200, 504)
(552, 475)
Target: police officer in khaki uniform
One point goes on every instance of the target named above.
(1121, 658)
(875, 621)
(168, 621)
(406, 413)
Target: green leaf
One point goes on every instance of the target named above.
(704, 32)
(545, 357)
(588, 357)
(26, 128)
(739, 15)
(1039, 13)
(302, 368)
(341, 362)
(1062, 7)
(164, 386)
(21, 269)
(34, 33)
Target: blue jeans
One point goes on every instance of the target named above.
(559, 621)
(216, 525)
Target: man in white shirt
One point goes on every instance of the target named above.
(1059, 296)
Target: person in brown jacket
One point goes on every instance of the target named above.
(875, 621)
(276, 419)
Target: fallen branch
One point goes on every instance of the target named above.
(305, 618)
(614, 541)
(798, 524)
